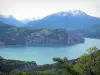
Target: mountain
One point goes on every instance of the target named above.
(68, 19)
(10, 20)
(25, 21)
(3, 32)
(12, 35)
(93, 31)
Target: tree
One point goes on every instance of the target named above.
(63, 67)
(89, 64)
(17, 72)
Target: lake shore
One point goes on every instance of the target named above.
(37, 53)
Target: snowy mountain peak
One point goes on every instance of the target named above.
(71, 13)
(6, 16)
(77, 12)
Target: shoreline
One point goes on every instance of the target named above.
(41, 45)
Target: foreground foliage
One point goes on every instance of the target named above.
(89, 64)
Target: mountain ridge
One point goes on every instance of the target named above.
(65, 20)
(10, 20)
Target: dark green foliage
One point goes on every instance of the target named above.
(17, 72)
(1, 73)
(89, 64)
(63, 67)
(44, 67)
(9, 65)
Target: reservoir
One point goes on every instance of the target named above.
(44, 54)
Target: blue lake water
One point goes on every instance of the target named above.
(44, 54)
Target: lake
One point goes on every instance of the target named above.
(44, 54)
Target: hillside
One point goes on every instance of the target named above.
(93, 31)
(73, 19)
(11, 64)
(10, 20)
(11, 35)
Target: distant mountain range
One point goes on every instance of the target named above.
(10, 20)
(25, 21)
(73, 19)
(69, 19)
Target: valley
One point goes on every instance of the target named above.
(61, 43)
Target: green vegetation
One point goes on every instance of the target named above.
(93, 31)
(87, 64)
(9, 65)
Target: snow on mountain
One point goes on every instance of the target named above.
(71, 13)
(65, 19)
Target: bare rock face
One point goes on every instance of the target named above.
(24, 36)
(48, 37)
(74, 38)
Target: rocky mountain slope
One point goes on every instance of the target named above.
(11, 35)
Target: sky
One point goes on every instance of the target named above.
(22, 9)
